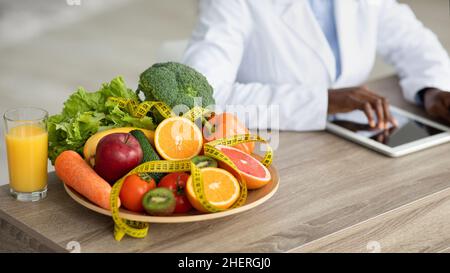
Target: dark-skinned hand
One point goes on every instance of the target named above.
(437, 104)
(361, 98)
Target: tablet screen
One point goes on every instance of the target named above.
(408, 130)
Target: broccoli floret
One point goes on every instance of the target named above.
(176, 84)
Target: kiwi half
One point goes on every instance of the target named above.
(159, 202)
(203, 161)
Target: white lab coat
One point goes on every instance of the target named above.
(273, 52)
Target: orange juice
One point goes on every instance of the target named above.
(27, 147)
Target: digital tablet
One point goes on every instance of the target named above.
(412, 134)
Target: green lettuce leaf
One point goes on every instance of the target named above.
(86, 113)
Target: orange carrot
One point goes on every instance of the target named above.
(76, 173)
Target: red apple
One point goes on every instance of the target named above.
(116, 155)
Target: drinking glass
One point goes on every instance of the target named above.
(26, 140)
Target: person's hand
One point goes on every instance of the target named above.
(437, 104)
(361, 98)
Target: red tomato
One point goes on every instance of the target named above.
(133, 190)
(176, 182)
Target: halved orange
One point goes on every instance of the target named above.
(221, 189)
(178, 138)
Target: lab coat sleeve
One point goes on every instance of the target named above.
(216, 49)
(415, 51)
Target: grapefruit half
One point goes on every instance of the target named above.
(253, 172)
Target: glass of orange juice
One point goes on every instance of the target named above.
(27, 147)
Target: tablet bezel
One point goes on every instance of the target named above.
(400, 150)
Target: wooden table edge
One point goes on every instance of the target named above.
(30, 233)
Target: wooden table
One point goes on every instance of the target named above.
(334, 196)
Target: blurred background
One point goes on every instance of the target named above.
(50, 47)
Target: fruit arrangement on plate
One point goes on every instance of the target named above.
(131, 157)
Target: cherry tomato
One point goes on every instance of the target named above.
(133, 190)
(176, 182)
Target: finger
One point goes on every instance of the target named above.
(387, 113)
(368, 111)
(361, 102)
(378, 105)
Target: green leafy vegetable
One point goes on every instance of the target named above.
(85, 113)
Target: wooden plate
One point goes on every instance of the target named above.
(254, 199)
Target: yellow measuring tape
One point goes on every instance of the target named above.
(139, 110)
(140, 229)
